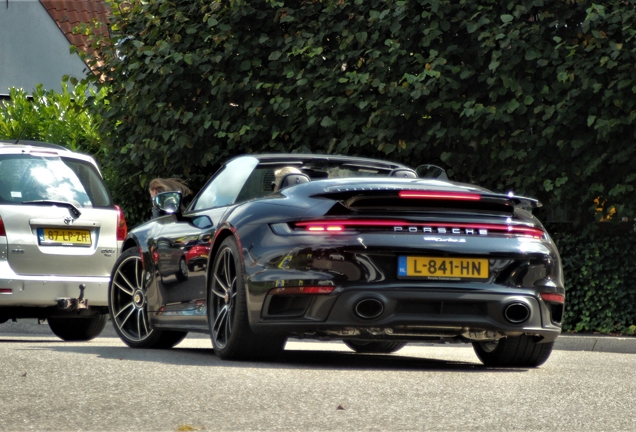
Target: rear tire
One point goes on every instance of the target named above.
(182, 273)
(520, 351)
(232, 337)
(127, 304)
(78, 329)
(377, 347)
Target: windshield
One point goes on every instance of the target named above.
(25, 178)
(226, 184)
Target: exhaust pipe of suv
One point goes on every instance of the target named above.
(517, 312)
(368, 308)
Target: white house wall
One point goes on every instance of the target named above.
(33, 50)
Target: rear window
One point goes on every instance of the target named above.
(25, 178)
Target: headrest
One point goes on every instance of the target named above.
(403, 172)
(293, 179)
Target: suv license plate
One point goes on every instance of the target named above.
(64, 237)
(442, 268)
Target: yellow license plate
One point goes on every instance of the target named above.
(442, 268)
(64, 237)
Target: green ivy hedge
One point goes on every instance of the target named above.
(600, 275)
(534, 96)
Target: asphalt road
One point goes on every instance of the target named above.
(48, 384)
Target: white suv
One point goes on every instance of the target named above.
(60, 235)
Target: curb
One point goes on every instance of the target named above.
(596, 343)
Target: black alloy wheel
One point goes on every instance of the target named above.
(127, 304)
(223, 297)
(232, 337)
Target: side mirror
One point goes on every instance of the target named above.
(168, 202)
(431, 172)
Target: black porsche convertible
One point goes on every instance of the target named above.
(369, 252)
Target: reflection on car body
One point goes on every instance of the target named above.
(171, 259)
(197, 256)
(361, 250)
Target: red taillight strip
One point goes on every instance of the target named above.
(456, 196)
(358, 222)
(122, 228)
(6, 291)
(2, 231)
(322, 226)
(302, 290)
(551, 297)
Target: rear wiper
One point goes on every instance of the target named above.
(74, 210)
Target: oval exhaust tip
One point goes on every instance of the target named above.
(517, 312)
(369, 308)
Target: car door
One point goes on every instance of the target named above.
(183, 249)
(181, 285)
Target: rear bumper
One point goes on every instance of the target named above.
(44, 291)
(20, 290)
(408, 314)
(413, 308)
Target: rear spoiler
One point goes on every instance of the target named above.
(353, 196)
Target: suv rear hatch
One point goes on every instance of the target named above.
(58, 216)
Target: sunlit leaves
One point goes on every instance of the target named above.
(55, 117)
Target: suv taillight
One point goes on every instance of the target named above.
(122, 228)
(2, 231)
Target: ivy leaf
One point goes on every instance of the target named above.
(507, 18)
(532, 54)
(548, 185)
(327, 122)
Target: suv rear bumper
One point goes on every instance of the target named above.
(46, 290)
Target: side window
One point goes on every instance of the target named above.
(259, 184)
(12, 169)
(225, 186)
(92, 182)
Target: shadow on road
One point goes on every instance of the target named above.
(290, 359)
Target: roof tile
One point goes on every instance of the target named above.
(69, 14)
